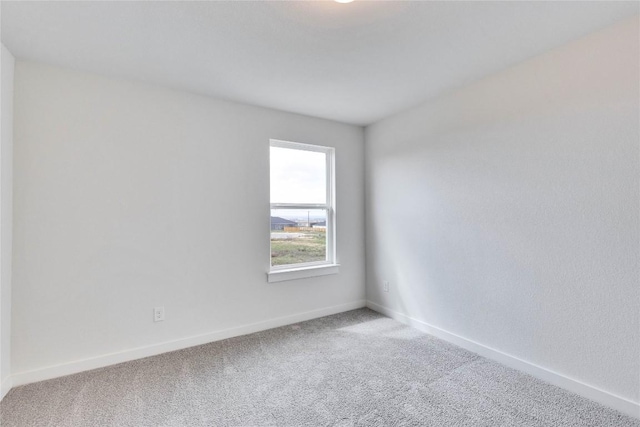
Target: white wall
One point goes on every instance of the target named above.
(6, 210)
(132, 196)
(507, 212)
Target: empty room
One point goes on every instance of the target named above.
(320, 213)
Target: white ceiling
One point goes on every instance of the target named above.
(355, 63)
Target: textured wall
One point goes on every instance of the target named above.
(507, 211)
(131, 196)
(6, 213)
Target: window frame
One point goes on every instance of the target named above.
(315, 268)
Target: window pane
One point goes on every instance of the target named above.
(298, 235)
(298, 176)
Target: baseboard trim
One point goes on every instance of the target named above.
(88, 364)
(618, 403)
(5, 386)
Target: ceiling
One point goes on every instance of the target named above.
(355, 63)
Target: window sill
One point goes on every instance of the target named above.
(302, 273)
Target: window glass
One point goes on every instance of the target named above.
(298, 176)
(298, 236)
(302, 211)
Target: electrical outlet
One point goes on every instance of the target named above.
(385, 286)
(158, 314)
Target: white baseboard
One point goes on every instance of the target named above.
(5, 386)
(618, 403)
(77, 366)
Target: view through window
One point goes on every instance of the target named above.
(301, 208)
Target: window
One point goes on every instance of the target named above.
(302, 231)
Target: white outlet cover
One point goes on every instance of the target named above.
(158, 314)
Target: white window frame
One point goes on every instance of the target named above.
(317, 268)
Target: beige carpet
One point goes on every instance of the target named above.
(352, 369)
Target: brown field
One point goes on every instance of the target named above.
(308, 247)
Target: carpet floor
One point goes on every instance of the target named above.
(352, 369)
